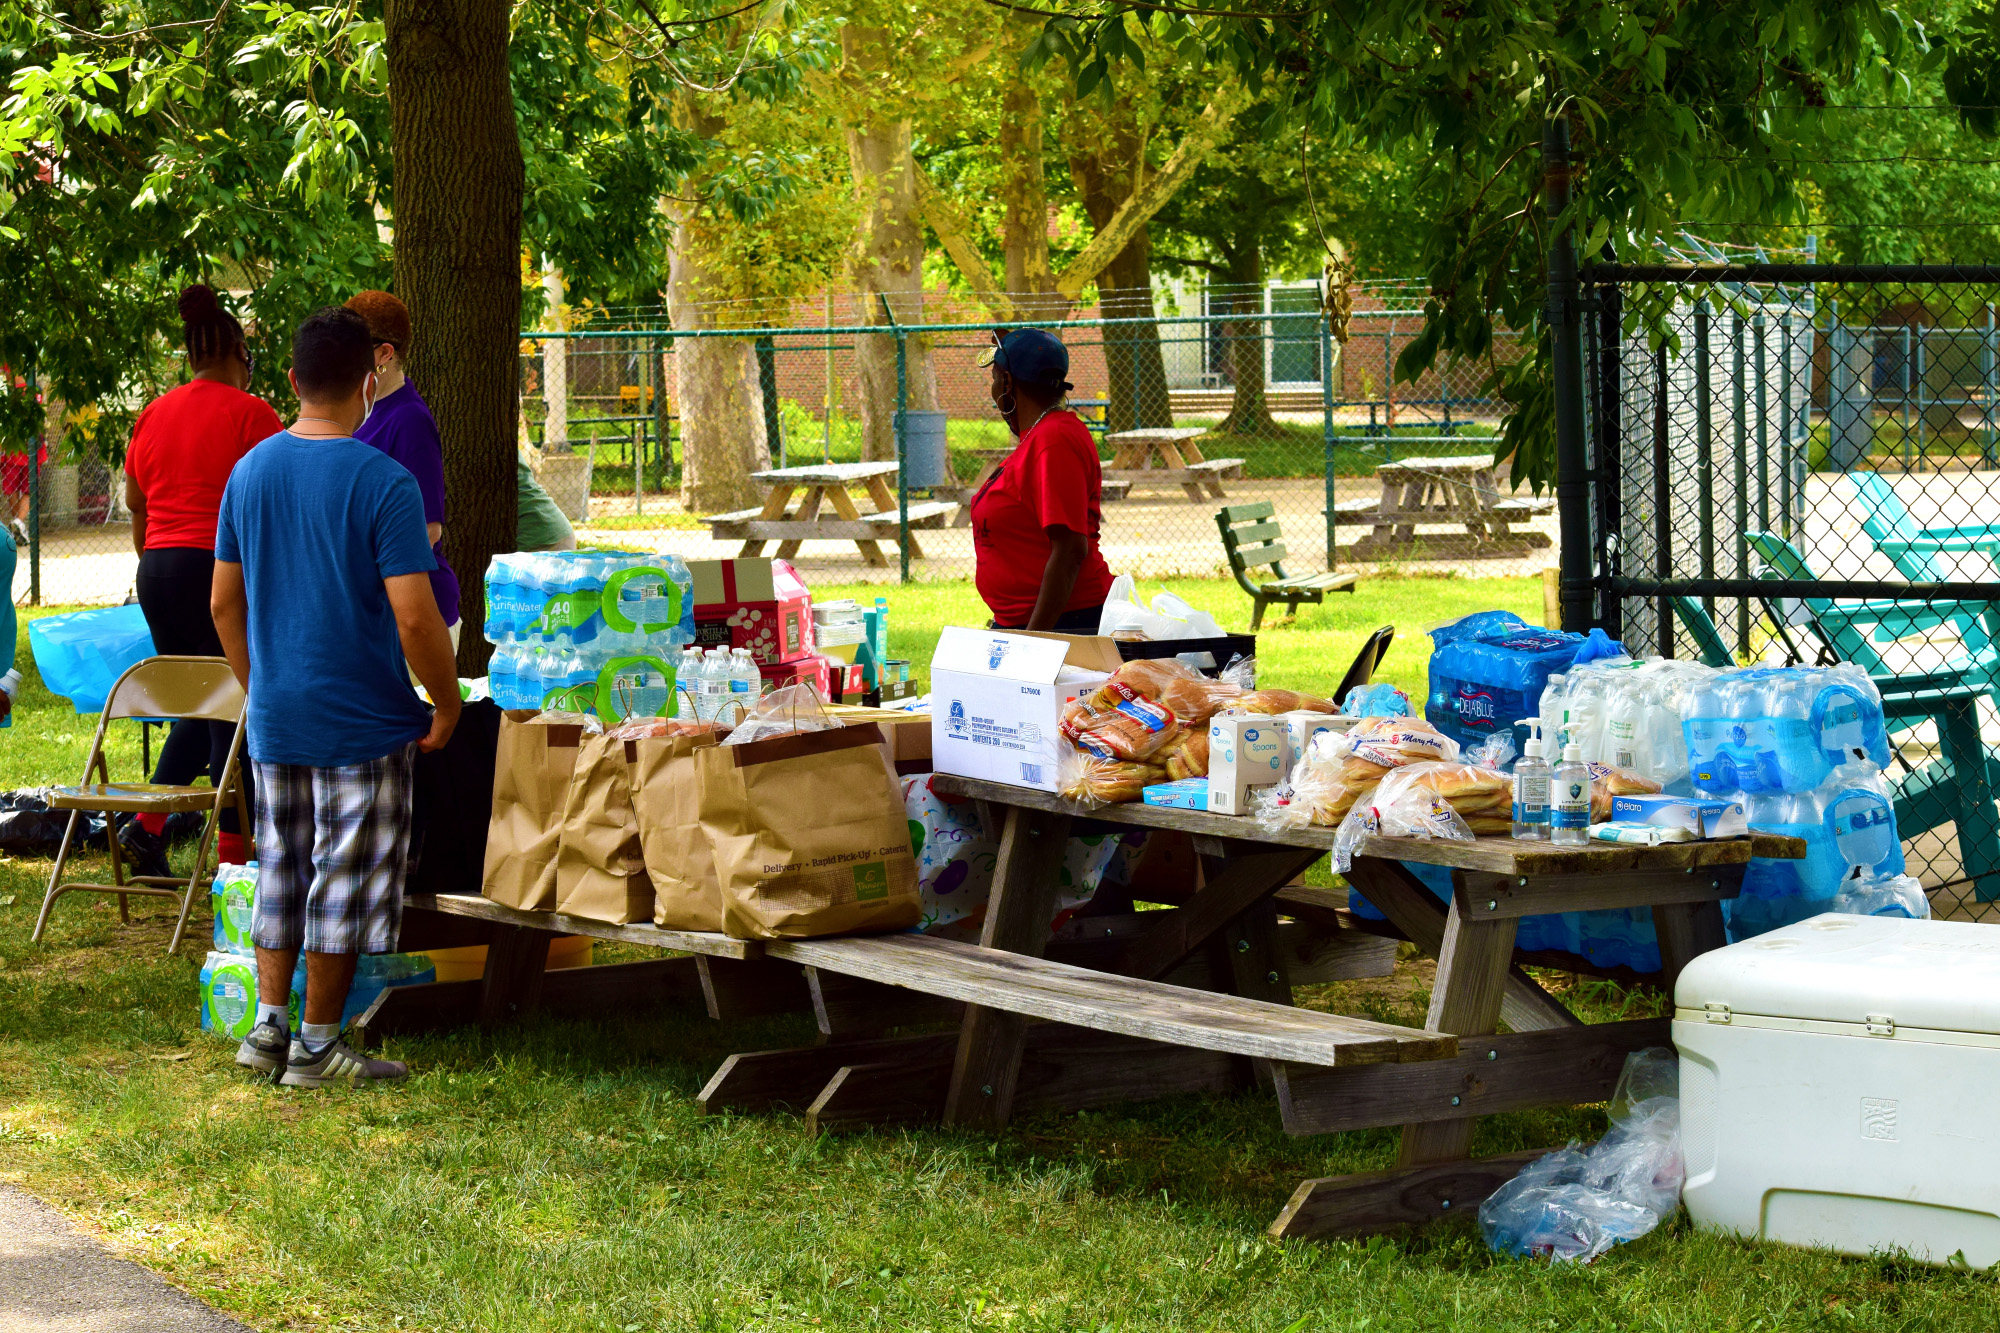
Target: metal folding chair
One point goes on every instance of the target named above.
(172, 688)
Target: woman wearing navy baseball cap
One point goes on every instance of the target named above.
(1035, 523)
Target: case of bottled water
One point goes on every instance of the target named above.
(588, 631)
(1489, 670)
(1626, 712)
(1781, 729)
(1849, 825)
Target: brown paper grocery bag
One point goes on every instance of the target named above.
(600, 873)
(809, 836)
(666, 798)
(531, 773)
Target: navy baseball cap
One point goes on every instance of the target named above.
(1032, 356)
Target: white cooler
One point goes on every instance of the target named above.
(1840, 1087)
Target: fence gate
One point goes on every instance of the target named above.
(1801, 463)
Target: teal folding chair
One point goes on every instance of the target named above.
(1915, 551)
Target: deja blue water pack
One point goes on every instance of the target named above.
(1488, 670)
(1780, 729)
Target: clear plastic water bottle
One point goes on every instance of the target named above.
(529, 682)
(686, 671)
(500, 598)
(528, 598)
(586, 596)
(746, 682)
(1621, 722)
(503, 672)
(712, 686)
(1552, 708)
(1531, 790)
(1569, 802)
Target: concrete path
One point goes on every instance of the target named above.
(53, 1277)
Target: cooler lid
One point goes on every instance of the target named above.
(1938, 975)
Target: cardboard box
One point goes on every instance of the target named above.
(807, 671)
(906, 737)
(1244, 751)
(753, 603)
(996, 702)
(1702, 816)
(1301, 727)
(845, 681)
(1183, 794)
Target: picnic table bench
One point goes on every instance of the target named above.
(1122, 1004)
(1134, 453)
(827, 484)
(1109, 491)
(1457, 490)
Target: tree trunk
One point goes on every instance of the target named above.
(1250, 414)
(717, 391)
(1024, 200)
(888, 255)
(458, 188)
(1105, 178)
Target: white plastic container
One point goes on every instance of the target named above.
(1838, 1084)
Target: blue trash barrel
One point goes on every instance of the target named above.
(926, 462)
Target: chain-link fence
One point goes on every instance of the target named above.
(1228, 397)
(1798, 464)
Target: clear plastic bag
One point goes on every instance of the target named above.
(1241, 672)
(1190, 696)
(556, 717)
(1883, 895)
(1496, 751)
(1341, 769)
(1380, 699)
(1579, 1202)
(1402, 807)
(782, 712)
(1281, 701)
(1092, 780)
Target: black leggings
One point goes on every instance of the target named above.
(173, 592)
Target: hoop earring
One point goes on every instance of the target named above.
(1008, 407)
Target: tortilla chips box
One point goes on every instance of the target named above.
(755, 603)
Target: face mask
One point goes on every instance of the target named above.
(368, 400)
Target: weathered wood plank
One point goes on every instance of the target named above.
(1471, 977)
(1037, 988)
(562, 923)
(1417, 913)
(567, 992)
(852, 1007)
(1407, 1196)
(1685, 930)
(1488, 897)
(752, 987)
(757, 1080)
(1063, 1068)
(1033, 844)
(1509, 1072)
(1240, 883)
(516, 957)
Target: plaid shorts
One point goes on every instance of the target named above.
(332, 849)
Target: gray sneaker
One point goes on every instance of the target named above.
(265, 1049)
(337, 1063)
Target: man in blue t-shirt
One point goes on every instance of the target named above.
(323, 602)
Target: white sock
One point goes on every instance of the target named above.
(278, 1015)
(318, 1036)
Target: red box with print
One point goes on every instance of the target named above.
(753, 603)
(806, 671)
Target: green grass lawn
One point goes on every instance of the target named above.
(556, 1176)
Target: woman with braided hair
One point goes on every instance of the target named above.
(184, 446)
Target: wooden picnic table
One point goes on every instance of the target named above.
(827, 484)
(1457, 490)
(1122, 1004)
(990, 461)
(1134, 454)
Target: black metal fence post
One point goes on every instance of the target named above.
(1572, 459)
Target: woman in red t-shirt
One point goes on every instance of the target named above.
(184, 446)
(1035, 523)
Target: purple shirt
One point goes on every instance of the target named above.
(402, 427)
